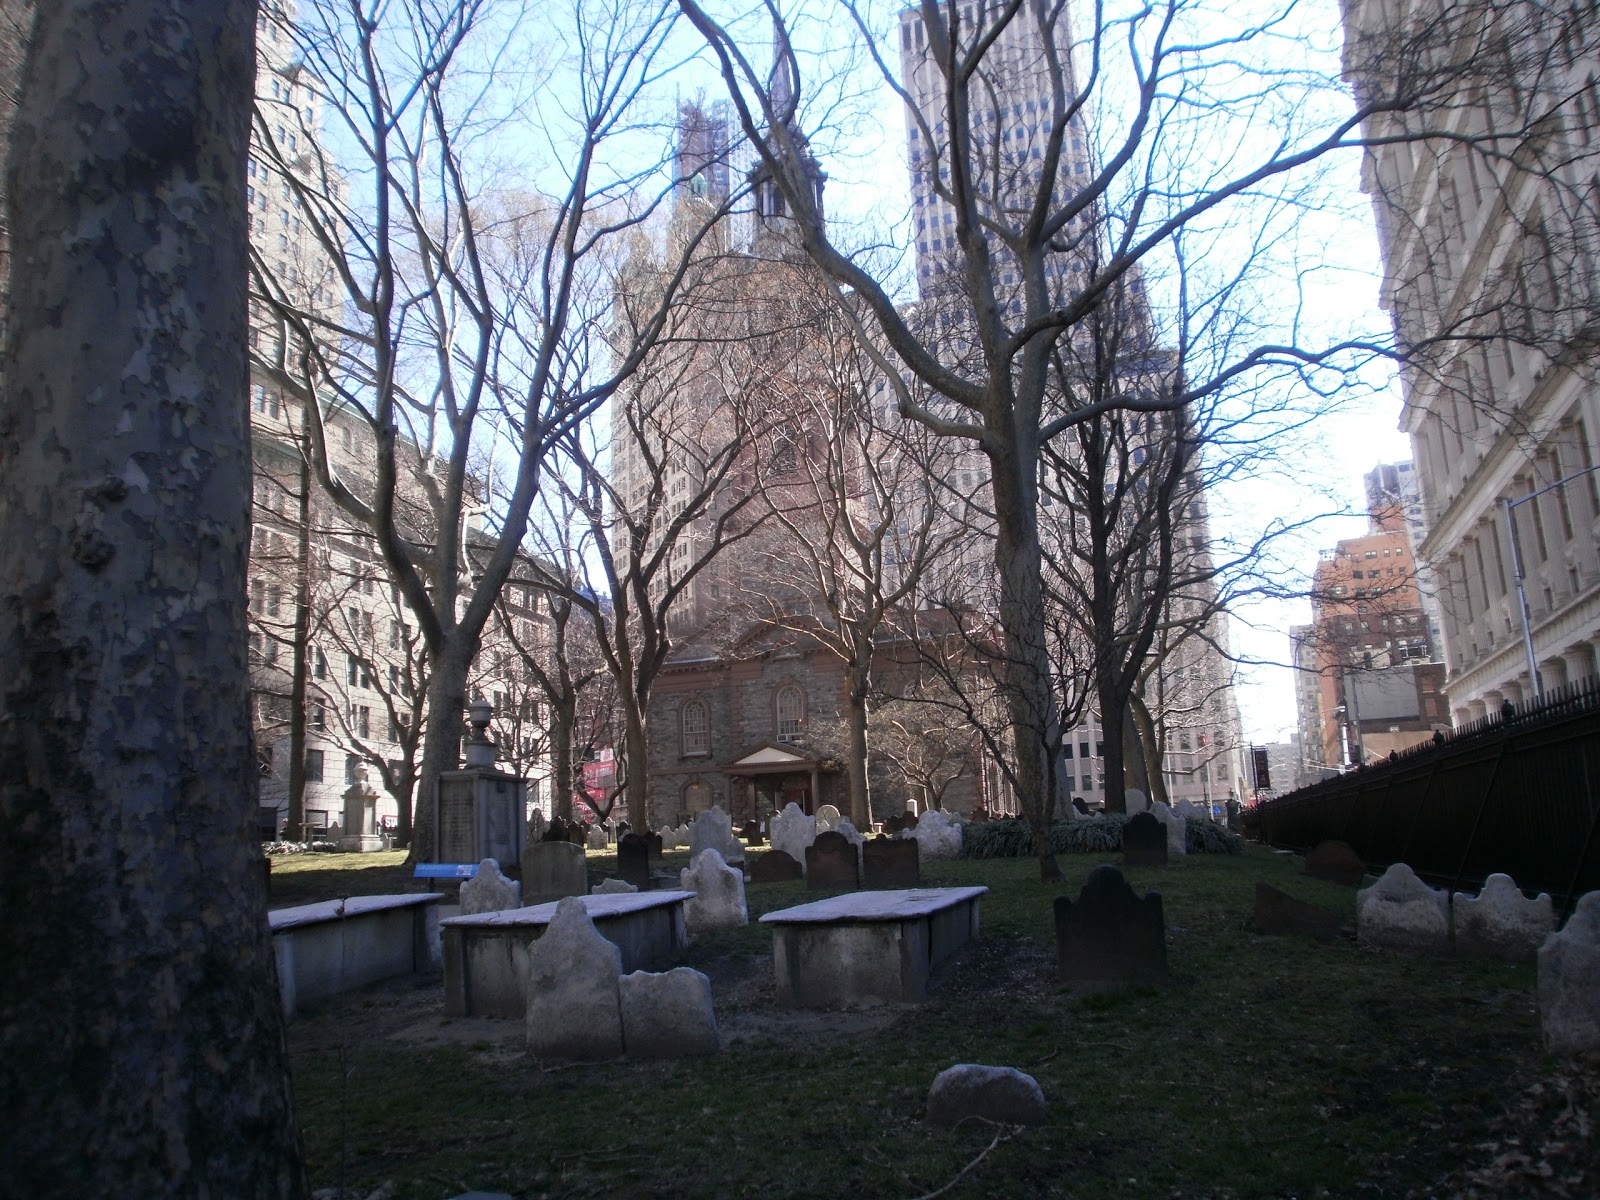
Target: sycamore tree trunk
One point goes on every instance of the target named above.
(635, 756)
(1034, 716)
(856, 766)
(301, 651)
(1150, 742)
(141, 1042)
(441, 745)
(563, 720)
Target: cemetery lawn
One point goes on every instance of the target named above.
(313, 876)
(1271, 1067)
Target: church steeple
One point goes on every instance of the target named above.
(789, 145)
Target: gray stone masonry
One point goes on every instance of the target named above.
(574, 1006)
(667, 1015)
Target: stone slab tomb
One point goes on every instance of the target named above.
(486, 956)
(1569, 982)
(831, 862)
(1144, 841)
(573, 1006)
(718, 900)
(775, 867)
(1336, 862)
(336, 945)
(1279, 913)
(633, 860)
(1402, 913)
(892, 863)
(553, 869)
(1109, 938)
(867, 948)
(1500, 922)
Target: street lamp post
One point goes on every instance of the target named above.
(1518, 574)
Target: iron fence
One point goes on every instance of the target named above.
(1516, 792)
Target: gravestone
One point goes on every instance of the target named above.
(938, 837)
(551, 870)
(1189, 810)
(713, 830)
(612, 887)
(1135, 801)
(718, 900)
(831, 862)
(827, 818)
(489, 891)
(751, 833)
(633, 860)
(908, 820)
(578, 833)
(1335, 862)
(1177, 830)
(892, 863)
(998, 1095)
(536, 825)
(775, 866)
(1280, 913)
(667, 1014)
(595, 839)
(574, 1005)
(1079, 807)
(556, 831)
(1109, 938)
(1569, 982)
(655, 844)
(1144, 841)
(893, 826)
(793, 831)
(852, 835)
(1500, 922)
(1402, 913)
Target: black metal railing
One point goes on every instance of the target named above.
(1516, 792)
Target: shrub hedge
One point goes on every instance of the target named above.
(1090, 835)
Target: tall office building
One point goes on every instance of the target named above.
(1491, 250)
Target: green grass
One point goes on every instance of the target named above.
(1270, 1067)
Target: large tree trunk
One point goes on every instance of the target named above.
(301, 651)
(1150, 742)
(563, 720)
(856, 709)
(141, 1041)
(1035, 718)
(635, 758)
(441, 748)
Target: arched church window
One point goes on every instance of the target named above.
(791, 712)
(696, 723)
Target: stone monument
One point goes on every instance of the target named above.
(479, 812)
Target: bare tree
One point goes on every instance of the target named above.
(141, 1040)
(444, 300)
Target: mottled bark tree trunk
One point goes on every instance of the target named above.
(141, 1042)
(301, 650)
(856, 685)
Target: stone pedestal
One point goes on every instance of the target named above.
(361, 817)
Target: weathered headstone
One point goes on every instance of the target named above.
(578, 833)
(556, 831)
(892, 863)
(633, 860)
(1079, 807)
(853, 836)
(595, 839)
(938, 837)
(536, 825)
(713, 830)
(1190, 811)
(1280, 913)
(1109, 938)
(908, 820)
(1001, 1095)
(1500, 922)
(667, 1015)
(1177, 830)
(655, 844)
(551, 870)
(1335, 862)
(574, 1006)
(718, 900)
(831, 862)
(893, 825)
(793, 831)
(1400, 912)
(489, 891)
(751, 833)
(1144, 841)
(775, 866)
(610, 887)
(827, 818)
(1135, 801)
(1569, 982)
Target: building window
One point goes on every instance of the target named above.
(352, 670)
(696, 723)
(351, 762)
(791, 712)
(319, 718)
(313, 766)
(322, 664)
(364, 721)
